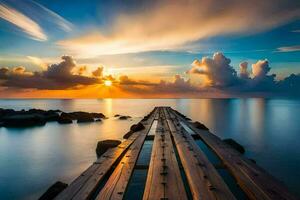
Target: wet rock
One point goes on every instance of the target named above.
(235, 145)
(137, 127)
(124, 117)
(98, 115)
(51, 116)
(200, 126)
(85, 116)
(117, 115)
(134, 128)
(84, 119)
(24, 120)
(53, 191)
(104, 145)
(64, 118)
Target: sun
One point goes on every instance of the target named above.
(107, 83)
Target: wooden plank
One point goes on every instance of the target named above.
(116, 185)
(163, 178)
(252, 179)
(204, 181)
(83, 186)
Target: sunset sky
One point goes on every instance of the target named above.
(143, 49)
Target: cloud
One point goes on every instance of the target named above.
(31, 16)
(165, 25)
(289, 48)
(53, 17)
(176, 86)
(261, 68)
(220, 78)
(23, 22)
(223, 77)
(39, 62)
(244, 74)
(98, 72)
(56, 77)
(217, 70)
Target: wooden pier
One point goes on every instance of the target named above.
(178, 168)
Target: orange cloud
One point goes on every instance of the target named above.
(172, 24)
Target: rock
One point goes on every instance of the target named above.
(134, 128)
(84, 119)
(200, 126)
(64, 118)
(51, 116)
(24, 120)
(67, 115)
(137, 127)
(124, 117)
(235, 145)
(53, 191)
(117, 115)
(98, 115)
(98, 120)
(104, 145)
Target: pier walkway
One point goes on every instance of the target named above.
(174, 159)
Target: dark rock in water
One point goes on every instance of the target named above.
(124, 117)
(104, 145)
(98, 120)
(200, 126)
(84, 119)
(98, 115)
(117, 115)
(65, 118)
(235, 145)
(24, 120)
(67, 115)
(134, 128)
(51, 116)
(53, 191)
(137, 127)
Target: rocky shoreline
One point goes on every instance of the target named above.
(36, 117)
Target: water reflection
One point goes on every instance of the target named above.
(36, 157)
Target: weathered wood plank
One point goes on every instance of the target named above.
(164, 178)
(252, 179)
(83, 186)
(203, 179)
(115, 187)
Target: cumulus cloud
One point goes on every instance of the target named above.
(223, 76)
(178, 85)
(217, 69)
(244, 74)
(261, 68)
(171, 24)
(98, 72)
(57, 76)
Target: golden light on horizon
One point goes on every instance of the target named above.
(107, 83)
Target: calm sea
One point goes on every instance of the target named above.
(32, 159)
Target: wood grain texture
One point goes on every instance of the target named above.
(203, 179)
(163, 179)
(253, 180)
(84, 185)
(116, 185)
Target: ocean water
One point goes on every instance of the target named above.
(31, 159)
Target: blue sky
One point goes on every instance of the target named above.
(137, 34)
